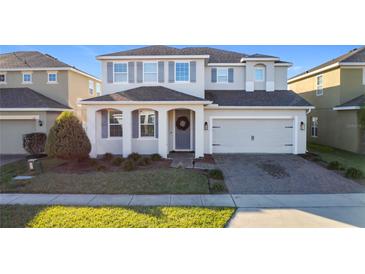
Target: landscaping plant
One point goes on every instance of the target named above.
(334, 165)
(117, 161)
(128, 165)
(217, 187)
(216, 174)
(107, 156)
(34, 143)
(67, 139)
(143, 161)
(134, 156)
(353, 173)
(156, 157)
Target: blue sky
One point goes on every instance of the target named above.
(83, 57)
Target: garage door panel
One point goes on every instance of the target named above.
(252, 136)
(11, 135)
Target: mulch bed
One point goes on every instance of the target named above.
(208, 158)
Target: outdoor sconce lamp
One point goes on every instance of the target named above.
(302, 126)
(206, 126)
(40, 123)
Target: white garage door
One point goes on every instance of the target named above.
(252, 136)
(11, 135)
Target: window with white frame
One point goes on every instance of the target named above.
(120, 72)
(222, 75)
(182, 71)
(115, 123)
(2, 78)
(91, 87)
(147, 123)
(319, 85)
(98, 89)
(52, 77)
(27, 78)
(149, 72)
(259, 74)
(314, 127)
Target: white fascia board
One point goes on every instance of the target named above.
(257, 107)
(226, 65)
(141, 57)
(35, 109)
(283, 64)
(313, 72)
(19, 117)
(355, 64)
(145, 102)
(259, 59)
(346, 108)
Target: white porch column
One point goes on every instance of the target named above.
(91, 130)
(127, 132)
(162, 133)
(199, 132)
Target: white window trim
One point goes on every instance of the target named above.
(317, 86)
(52, 82)
(31, 78)
(182, 81)
(96, 88)
(139, 126)
(312, 127)
(109, 124)
(3, 73)
(263, 74)
(93, 87)
(126, 81)
(363, 75)
(143, 72)
(222, 82)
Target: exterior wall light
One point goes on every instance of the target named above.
(302, 126)
(206, 126)
(40, 123)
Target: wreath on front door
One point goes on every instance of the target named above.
(182, 123)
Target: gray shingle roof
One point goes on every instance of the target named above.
(356, 102)
(276, 98)
(216, 55)
(148, 93)
(355, 55)
(26, 98)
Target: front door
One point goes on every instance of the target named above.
(182, 129)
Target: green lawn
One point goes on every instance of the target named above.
(113, 217)
(347, 159)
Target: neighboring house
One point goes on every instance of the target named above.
(337, 90)
(159, 99)
(34, 89)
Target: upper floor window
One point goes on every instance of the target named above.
(27, 78)
(259, 74)
(115, 123)
(120, 72)
(150, 72)
(2, 78)
(182, 71)
(98, 89)
(147, 123)
(314, 127)
(91, 87)
(319, 85)
(52, 77)
(222, 75)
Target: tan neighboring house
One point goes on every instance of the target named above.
(337, 90)
(34, 89)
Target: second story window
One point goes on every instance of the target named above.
(259, 74)
(98, 89)
(91, 87)
(182, 72)
(52, 77)
(120, 72)
(149, 72)
(222, 75)
(27, 78)
(319, 85)
(2, 78)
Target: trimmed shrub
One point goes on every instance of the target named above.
(107, 156)
(143, 161)
(353, 173)
(93, 162)
(34, 143)
(216, 174)
(67, 139)
(134, 156)
(156, 157)
(217, 187)
(101, 168)
(117, 161)
(128, 165)
(334, 165)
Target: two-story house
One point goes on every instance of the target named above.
(159, 99)
(34, 89)
(337, 90)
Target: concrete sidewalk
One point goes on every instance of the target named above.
(223, 200)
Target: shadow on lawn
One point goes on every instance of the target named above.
(18, 216)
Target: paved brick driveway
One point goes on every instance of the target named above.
(280, 174)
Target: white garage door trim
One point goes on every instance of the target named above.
(294, 118)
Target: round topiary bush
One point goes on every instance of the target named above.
(143, 161)
(107, 156)
(334, 165)
(134, 156)
(156, 157)
(353, 173)
(117, 161)
(67, 139)
(34, 143)
(216, 174)
(128, 165)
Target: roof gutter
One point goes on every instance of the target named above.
(36, 109)
(347, 108)
(153, 57)
(216, 106)
(145, 102)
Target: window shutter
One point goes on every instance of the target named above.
(139, 72)
(109, 72)
(156, 123)
(193, 71)
(171, 71)
(230, 75)
(135, 124)
(161, 72)
(214, 75)
(104, 124)
(130, 72)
